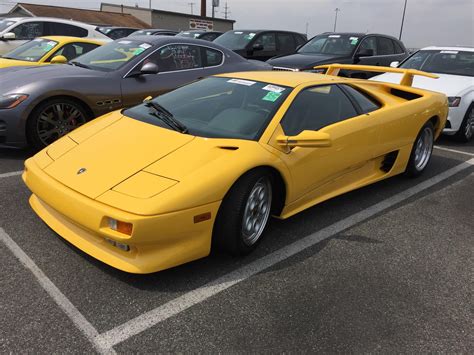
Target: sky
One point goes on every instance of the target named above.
(427, 22)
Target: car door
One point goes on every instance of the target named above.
(263, 47)
(354, 136)
(178, 64)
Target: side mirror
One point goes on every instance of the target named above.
(9, 36)
(59, 59)
(306, 139)
(365, 53)
(149, 68)
(258, 47)
(395, 64)
(146, 99)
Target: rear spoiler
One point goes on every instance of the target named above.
(407, 78)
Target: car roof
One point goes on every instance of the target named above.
(52, 19)
(284, 78)
(451, 48)
(162, 40)
(69, 39)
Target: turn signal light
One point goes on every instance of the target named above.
(121, 227)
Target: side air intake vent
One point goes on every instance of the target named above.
(389, 161)
(404, 94)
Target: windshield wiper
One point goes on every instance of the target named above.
(78, 64)
(166, 116)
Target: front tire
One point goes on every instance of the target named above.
(421, 152)
(244, 214)
(466, 131)
(53, 119)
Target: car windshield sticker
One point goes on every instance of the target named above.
(354, 40)
(449, 52)
(145, 45)
(138, 51)
(51, 43)
(241, 82)
(334, 36)
(250, 36)
(271, 96)
(238, 33)
(38, 40)
(273, 88)
(125, 42)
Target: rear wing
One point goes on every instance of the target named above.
(407, 78)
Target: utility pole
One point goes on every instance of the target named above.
(307, 24)
(335, 20)
(150, 4)
(203, 8)
(226, 11)
(192, 7)
(403, 20)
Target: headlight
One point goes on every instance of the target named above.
(454, 101)
(11, 101)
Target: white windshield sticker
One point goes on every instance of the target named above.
(51, 43)
(125, 42)
(145, 45)
(241, 82)
(273, 88)
(353, 38)
(251, 35)
(449, 52)
(334, 36)
(238, 33)
(38, 40)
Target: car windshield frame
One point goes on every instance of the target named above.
(353, 41)
(215, 92)
(6, 23)
(243, 38)
(91, 61)
(428, 60)
(50, 45)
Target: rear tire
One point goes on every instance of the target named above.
(466, 131)
(421, 152)
(53, 119)
(244, 214)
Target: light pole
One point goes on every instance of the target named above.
(403, 20)
(335, 20)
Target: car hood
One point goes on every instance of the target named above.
(304, 61)
(450, 85)
(11, 79)
(103, 155)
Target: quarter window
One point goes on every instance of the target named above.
(64, 29)
(213, 57)
(315, 108)
(366, 103)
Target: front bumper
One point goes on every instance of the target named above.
(157, 242)
(454, 121)
(13, 127)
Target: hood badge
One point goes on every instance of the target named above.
(81, 171)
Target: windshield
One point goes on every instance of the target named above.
(32, 51)
(331, 44)
(235, 39)
(113, 56)
(4, 24)
(219, 107)
(442, 61)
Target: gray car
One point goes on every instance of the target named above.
(40, 104)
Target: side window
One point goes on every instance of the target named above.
(398, 48)
(385, 46)
(209, 36)
(213, 57)
(367, 44)
(267, 40)
(177, 57)
(64, 29)
(29, 30)
(74, 50)
(366, 103)
(315, 108)
(286, 42)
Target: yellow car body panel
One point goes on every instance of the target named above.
(170, 185)
(62, 41)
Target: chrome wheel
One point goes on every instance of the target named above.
(57, 120)
(257, 211)
(423, 148)
(469, 129)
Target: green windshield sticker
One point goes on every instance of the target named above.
(138, 51)
(354, 41)
(271, 96)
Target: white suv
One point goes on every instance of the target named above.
(18, 30)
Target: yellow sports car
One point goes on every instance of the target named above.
(154, 186)
(49, 50)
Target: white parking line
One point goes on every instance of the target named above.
(180, 304)
(454, 151)
(71, 311)
(14, 173)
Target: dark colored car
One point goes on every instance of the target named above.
(154, 32)
(117, 32)
(200, 34)
(261, 44)
(40, 104)
(344, 48)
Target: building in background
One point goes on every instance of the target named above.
(172, 20)
(93, 17)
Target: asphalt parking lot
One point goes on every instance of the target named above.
(387, 268)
